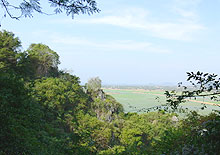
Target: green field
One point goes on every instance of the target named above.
(134, 100)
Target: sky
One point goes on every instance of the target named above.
(130, 42)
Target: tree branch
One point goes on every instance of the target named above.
(7, 11)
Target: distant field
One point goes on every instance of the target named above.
(135, 99)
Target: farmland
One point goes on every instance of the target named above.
(134, 100)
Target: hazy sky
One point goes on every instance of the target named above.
(131, 42)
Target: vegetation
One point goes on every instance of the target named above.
(25, 8)
(139, 100)
(205, 85)
(44, 110)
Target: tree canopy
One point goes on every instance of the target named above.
(9, 48)
(26, 8)
(42, 60)
(94, 84)
(47, 111)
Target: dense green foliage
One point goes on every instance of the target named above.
(42, 61)
(46, 111)
(9, 50)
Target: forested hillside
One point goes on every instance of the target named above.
(44, 110)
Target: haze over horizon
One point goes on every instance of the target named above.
(130, 42)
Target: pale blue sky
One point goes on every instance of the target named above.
(131, 42)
